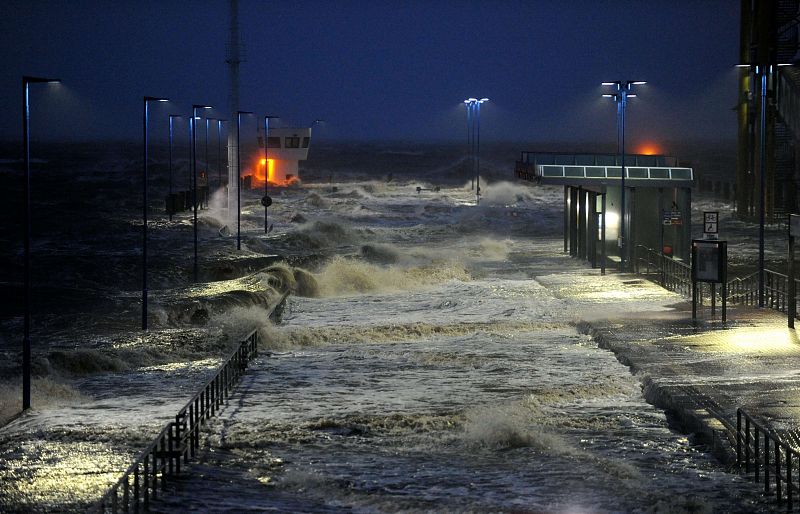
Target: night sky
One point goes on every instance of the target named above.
(379, 69)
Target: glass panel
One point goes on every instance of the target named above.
(292, 142)
(637, 172)
(659, 173)
(613, 171)
(681, 173)
(584, 160)
(552, 171)
(573, 171)
(564, 159)
(306, 140)
(274, 142)
(595, 172)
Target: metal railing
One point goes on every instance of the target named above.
(753, 453)
(606, 172)
(669, 273)
(776, 290)
(179, 440)
(677, 276)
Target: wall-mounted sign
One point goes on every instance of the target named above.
(671, 218)
(709, 261)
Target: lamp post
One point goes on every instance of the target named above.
(171, 118)
(145, 119)
(239, 180)
(478, 150)
(624, 88)
(266, 201)
(194, 180)
(219, 152)
(468, 105)
(26, 337)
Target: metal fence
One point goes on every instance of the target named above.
(677, 276)
(755, 446)
(179, 439)
(671, 274)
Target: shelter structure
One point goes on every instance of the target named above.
(658, 195)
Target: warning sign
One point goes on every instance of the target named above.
(710, 225)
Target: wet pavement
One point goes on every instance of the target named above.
(699, 371)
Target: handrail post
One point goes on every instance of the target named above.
(788, 478)
(766, 463)
(136, 489)
(739, 438)
(778, 472)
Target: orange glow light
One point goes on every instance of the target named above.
(259, 175)
(649, 149)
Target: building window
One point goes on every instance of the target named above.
(274, 142)
(306, 141)
(292, 142)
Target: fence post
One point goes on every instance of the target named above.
(136, 489)
(766, 463)
(738, 438)
(778, 472)
(789, 478)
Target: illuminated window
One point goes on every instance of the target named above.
(274, 142)
(306, 141)
(292, 142)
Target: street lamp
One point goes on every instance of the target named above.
(761, 71)
(468, 105)
(172, 207)
(624, 88)
(194, 179)
(478, 151)
(26, 338)
(145, 119)
(239, 180)
(473, 106)
(266, 201)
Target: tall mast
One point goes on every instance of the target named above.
(234, 57)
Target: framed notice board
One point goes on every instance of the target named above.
(709, 261)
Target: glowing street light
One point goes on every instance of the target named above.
(145, 119)
(239, 180)
(193, 130)
(623, 92)
(266, 201)
(26, 338)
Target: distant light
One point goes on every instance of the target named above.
(743, 65)
(632, 95)
(610, 83)
(785, 64)
(639, 82)
(609, 96)
(473, 99)
(483, 100)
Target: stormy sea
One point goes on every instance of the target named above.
(426, 358)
